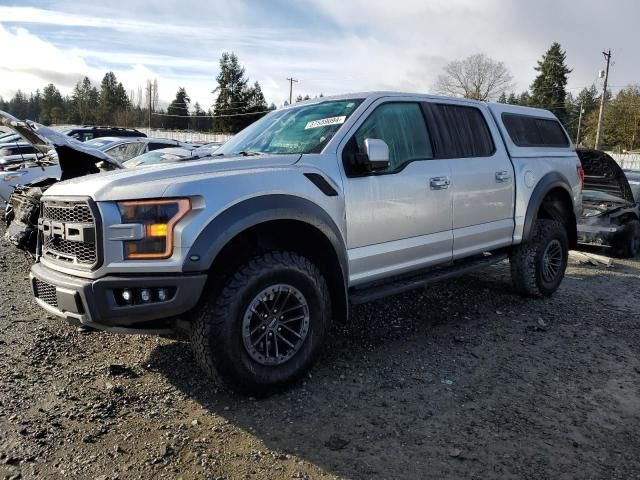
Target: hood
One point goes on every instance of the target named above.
(603, 174)
(75, 158)
(154, 180)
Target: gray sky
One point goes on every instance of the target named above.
(332, 46)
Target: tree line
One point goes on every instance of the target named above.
(482, 78)
(238, 104)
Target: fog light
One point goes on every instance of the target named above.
(145, 295)
(126, 295)
(163, 294)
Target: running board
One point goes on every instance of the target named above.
(398, 285)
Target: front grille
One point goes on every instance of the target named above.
(65, 250)
(46, 292)
(75, 213)
(61, 223)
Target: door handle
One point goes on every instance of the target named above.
(439, 183)
(503, 176)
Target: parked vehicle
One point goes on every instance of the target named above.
(63, 158)
(18, 152)
(169, 155)
(337, 201)
(88, 132)
(119, 149)
(123, 149)
(633, 176)
(10, 137)
(26, 173)
(611, 215)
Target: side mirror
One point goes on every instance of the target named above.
(377, 152)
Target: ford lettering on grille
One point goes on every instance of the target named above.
(68, 233)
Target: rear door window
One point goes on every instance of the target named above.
(459, 131)
(526, 131)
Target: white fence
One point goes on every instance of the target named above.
(628, 161)
(185, 136)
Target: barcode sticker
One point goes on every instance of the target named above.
(326, 122)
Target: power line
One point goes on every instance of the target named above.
(211, 116)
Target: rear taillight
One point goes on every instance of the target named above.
(581, 175)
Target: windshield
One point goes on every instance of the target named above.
(304, 129)
(155, 157)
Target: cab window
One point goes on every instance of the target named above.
(402, 127)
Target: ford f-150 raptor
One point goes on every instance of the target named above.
(255, 249)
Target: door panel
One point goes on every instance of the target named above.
(396, 221)
(482, 176)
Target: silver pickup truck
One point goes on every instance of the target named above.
(255, 249)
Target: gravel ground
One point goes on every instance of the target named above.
(464, 379)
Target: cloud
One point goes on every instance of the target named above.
(331, 46)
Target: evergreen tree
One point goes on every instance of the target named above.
(237, 104)
(33, 112)
(524, 99)
(549, 87)
(255, 100)
(52, 105)
(512, 99)
(113, 99)
(199, 122)
(179, 106)
(231, 90)
(502, 98)
(18, 106)
(84, 102)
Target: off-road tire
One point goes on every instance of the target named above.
(527, 259)
(216, 330)
(629, 245)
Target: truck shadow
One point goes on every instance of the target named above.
(394, 394)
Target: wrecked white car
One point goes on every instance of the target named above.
(63, 158)
(611, 214)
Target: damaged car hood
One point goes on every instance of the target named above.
(603, 174)
(75, 158)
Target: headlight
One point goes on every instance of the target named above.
(159, 218)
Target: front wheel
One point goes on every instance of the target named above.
(265, 327)
(538, 266)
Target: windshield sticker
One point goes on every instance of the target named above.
(326, 122)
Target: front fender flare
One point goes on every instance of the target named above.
(254, 211)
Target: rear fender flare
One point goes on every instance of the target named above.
(547, 183)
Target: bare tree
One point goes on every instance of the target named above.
(478, 77)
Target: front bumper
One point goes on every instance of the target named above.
(606, 235)
(93, 302)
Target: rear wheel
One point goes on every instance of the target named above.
(265, 327)
(629, 244)
(538, 266)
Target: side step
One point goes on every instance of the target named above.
(402, 284)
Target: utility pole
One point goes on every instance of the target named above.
(291, 82)
(607, 56)
(579, 123)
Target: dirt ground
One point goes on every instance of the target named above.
(464, 379)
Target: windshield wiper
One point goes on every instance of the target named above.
(249, 153)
